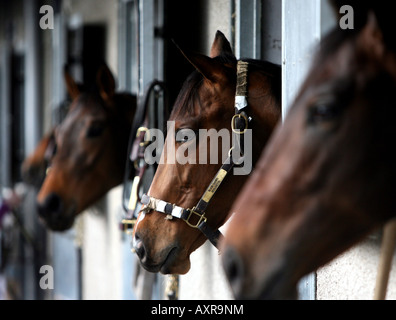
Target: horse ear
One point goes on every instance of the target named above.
(220, 46)
(105, 82)
(372, 36)
(360, 10)
(71, 86)
(208, 67)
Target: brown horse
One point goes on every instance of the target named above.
(206, 101)
(328, 176)
(90, 153)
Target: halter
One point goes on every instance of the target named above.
(195, 217)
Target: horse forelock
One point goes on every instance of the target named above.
(185, 104)
(86, 102)
(188, 98)
(92, 104)
(189, 95)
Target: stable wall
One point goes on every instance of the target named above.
(352, 275)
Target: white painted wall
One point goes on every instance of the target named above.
(206, 279)
(352, 275)
(102, 249)
(218, 17)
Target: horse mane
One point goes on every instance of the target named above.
(184, 104)
(274, 74)
(332, 42)
(335, 38)
(124, 100)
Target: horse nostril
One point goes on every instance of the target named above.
(138, 246)
(51, 204)
(234, 269)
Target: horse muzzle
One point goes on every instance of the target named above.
(55, 214)
(271, 285)
(165, 261)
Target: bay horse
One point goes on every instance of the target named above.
(206, 101)
(327, 177)
(90, 150)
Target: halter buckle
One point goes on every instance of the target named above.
(237, 131)
(145, 142)
(201, 218)
(128, 225)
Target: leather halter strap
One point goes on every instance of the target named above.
(136, 167)
(239, 125)
(194, 217)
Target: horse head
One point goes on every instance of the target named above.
(328, 175)
(205, 104)
(91, 145)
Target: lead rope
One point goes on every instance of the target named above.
(385, 263)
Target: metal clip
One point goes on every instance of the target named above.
(145, 141)
(128, 225)
(201, 218)
(238, 161)
(237, 131)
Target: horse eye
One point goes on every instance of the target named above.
(322, 113)
(184, 135)
(51, 149)
(55, 148)
(95, 130)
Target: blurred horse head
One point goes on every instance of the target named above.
(90, 151)
(328, 175)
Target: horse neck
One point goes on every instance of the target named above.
(264, 107)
